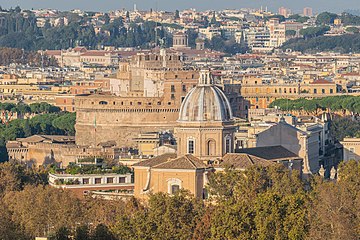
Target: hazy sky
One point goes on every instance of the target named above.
(106, 5)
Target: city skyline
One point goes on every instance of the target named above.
(107, 5)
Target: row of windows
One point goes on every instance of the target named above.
(130, 103)
(294, 90)
(93, 60)
(108, 180)
(210, 146)
(183, 87)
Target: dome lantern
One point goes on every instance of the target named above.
(205, 102)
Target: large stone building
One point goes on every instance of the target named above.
(156, 84)
(79, 56)
(351, 149)
(45, 150)
(205, 135)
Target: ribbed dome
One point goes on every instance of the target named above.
(205, 103)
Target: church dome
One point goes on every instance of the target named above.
(205, 102)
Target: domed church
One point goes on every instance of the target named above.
(205, 135)
(205, 132)
(205, 125)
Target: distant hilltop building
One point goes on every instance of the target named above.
(284, 11)
(78, 56)
(180, 40)
(308, 12)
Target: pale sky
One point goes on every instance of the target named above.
(336, 6)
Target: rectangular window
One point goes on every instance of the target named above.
(191, 147)
(110, 180)
(172, 88)
(85, 181)
(315, 91)
(184, 88)
(331, 91)
(323, 91)
(97, 180)
(122, 179)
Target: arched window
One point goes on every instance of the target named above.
(174, 185)
(211, 147)
(191, 146)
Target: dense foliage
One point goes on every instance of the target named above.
(60, 123)
(22, 32)
(19, 56)
(336, 103)
(327, 18)
(91, 169)
(298, 18)
(344, 44)
(259, 203)
(229, 46)
(344, 127)
(35, 108)
(314, 31)
(340, 127)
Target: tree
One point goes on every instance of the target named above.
(9, 230)
(166, 217)
(102, 232)
(61, 234)
(258, 203)
(43, 209)
(177, 14)
(66, 123)
(352, 30)
(106, 18)
(314, 31)
(280, 17)
(27, 128)
(82, 233)
(326, 18)
(290, 33)
(335, 209)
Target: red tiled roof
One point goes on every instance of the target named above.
(321, 81)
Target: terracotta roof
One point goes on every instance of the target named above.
(53, 52)
(42, 138)
(13, 144)
(243, 161)
(169, 161)
(321, 81)
(184, 162)
(110, 143)
(156, 160)
(96, 53)
(271, 153)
